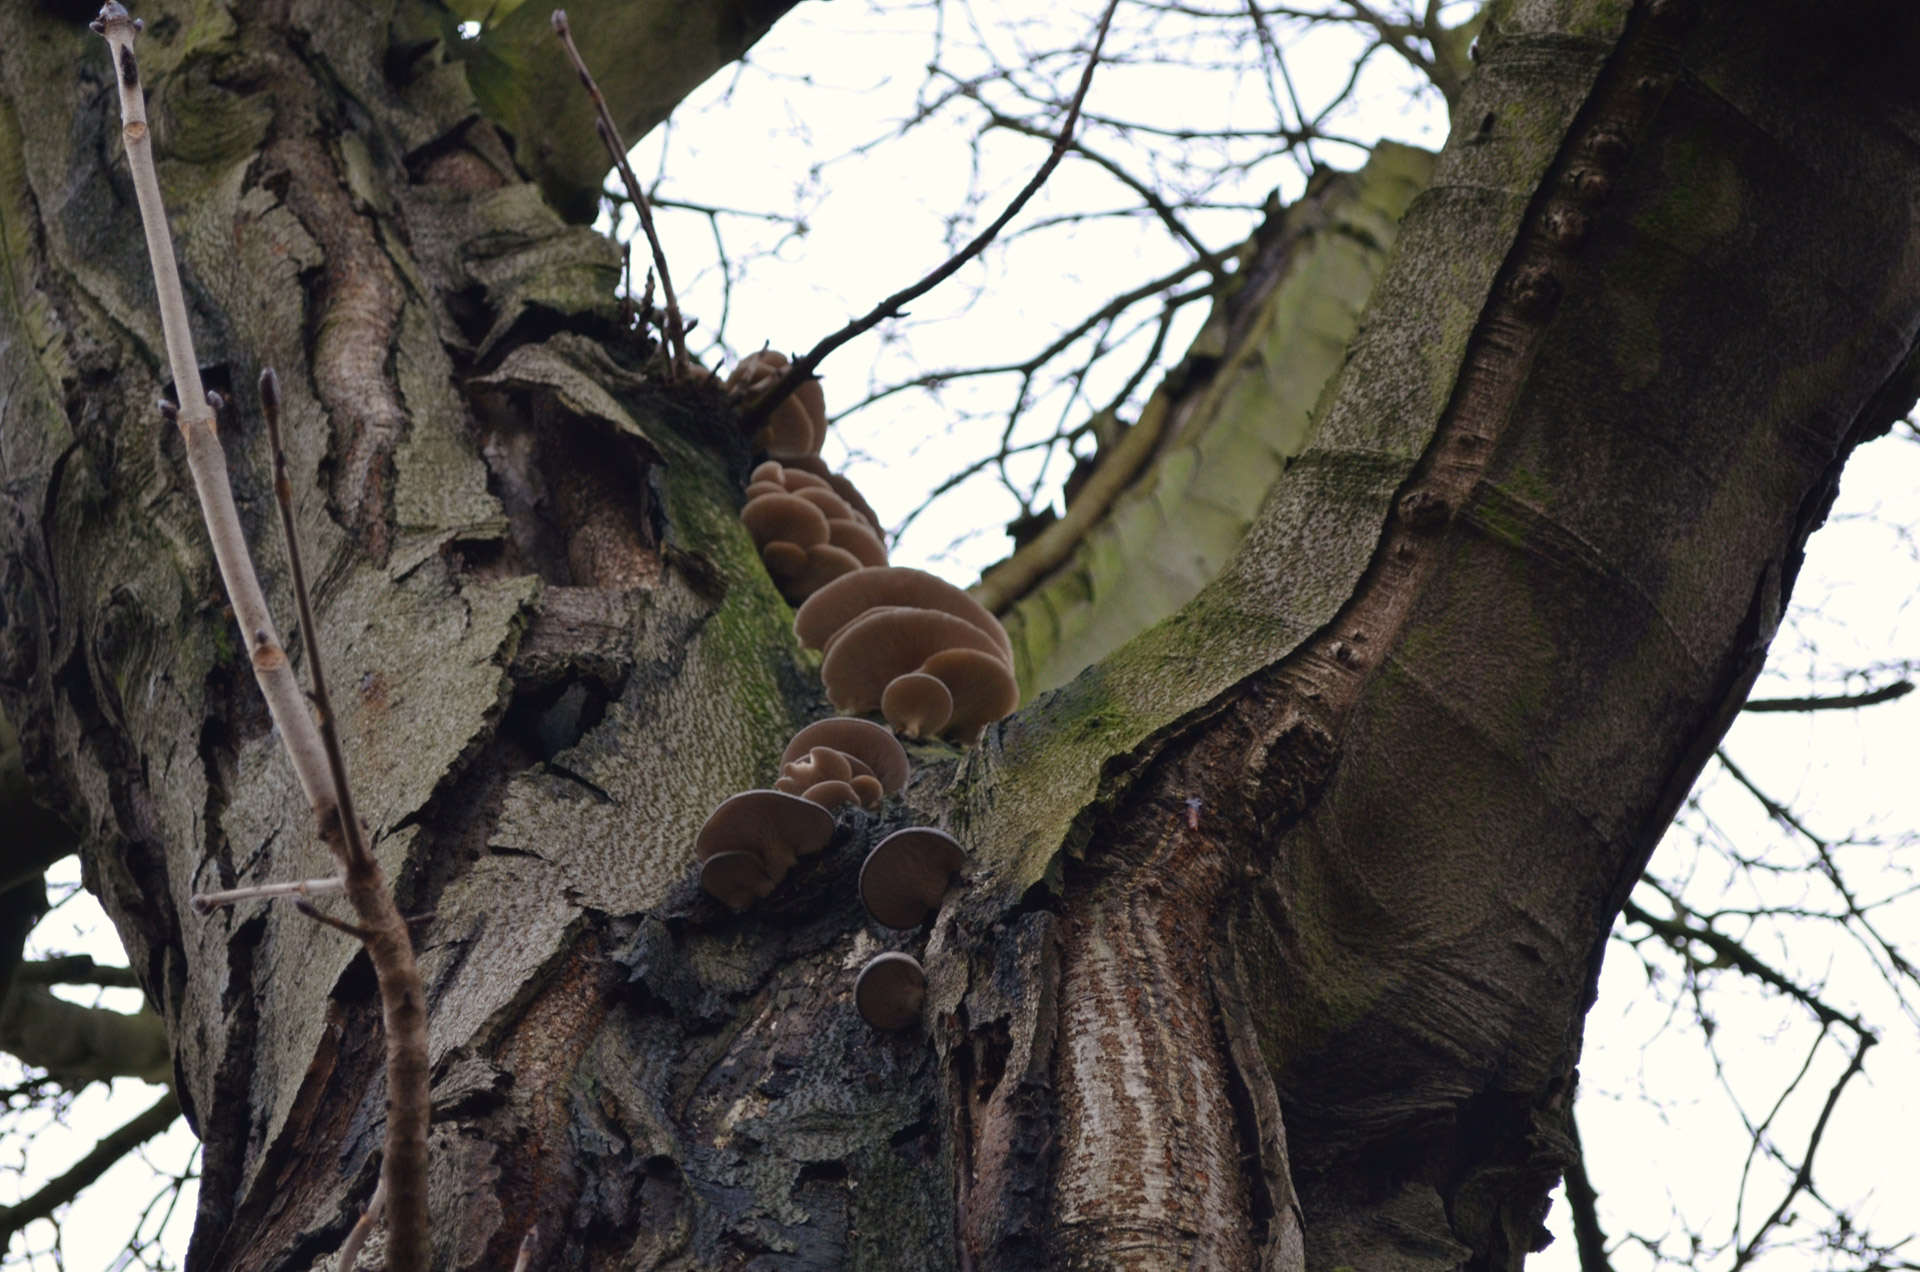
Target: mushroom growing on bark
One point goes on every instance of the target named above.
(808, 532)
(897, 639)
(769, 828)
(907, 873)
(857, 753)
(890, 990)
(798, 425)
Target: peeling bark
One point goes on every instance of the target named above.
(1281, 920)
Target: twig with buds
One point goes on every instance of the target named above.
(755, 413)
(313, 745)
(617, 147)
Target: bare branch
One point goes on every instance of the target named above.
(617, 147)
(1843, 702)
(58, 1192)
(803, 367)
(317, 762)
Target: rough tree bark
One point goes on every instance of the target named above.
(1281, 920)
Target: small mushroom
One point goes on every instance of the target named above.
(983, 690)
(907, 873)
(784, 518)
(917, 704)
(774, 827)
(807, 533)
(890, 990)
(797, 425)
(862, 741)
(831, 793)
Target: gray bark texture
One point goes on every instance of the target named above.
(1280, 922)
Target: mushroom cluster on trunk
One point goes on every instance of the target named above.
(795, 428)
(843, 761)
(916, 648)
(810, 526)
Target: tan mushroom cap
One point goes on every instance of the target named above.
(917, 704)
(736, 879)
(847, 598)
(890, 990)
(814, 466)
(884, 643)
(867, 789)
(862, 740)
(789, 432)
(830, 794)
(905, 876)
(825, 563)
(983, 689)
(784, 519)
(822, 497)
(784, 561)
(775, 827)
(853, 534)
(819, 764)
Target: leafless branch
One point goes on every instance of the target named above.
(1842, 702)
(58, 1192)
(803, 367)
(617, 147)
(313, 746)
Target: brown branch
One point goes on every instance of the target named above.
(755, 412)
(1588, 1238)
(312, 746)
(1843, 702)
(58, 1192)
(75, 969)
(617, 147)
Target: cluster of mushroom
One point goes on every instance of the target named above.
(753, 839)
(797, 427)
(929, 657)
(810, 525)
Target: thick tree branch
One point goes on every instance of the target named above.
(58, 1192)
(77, 1045)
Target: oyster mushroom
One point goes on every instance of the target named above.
(773, 827)
(889, 991)
(907, 873)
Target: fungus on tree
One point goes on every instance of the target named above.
(890, 990)
(807, 530)
(857, 753)
(914, 647)
(797, 426)
(907, 873)
(772, 827)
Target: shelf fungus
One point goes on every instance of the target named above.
(750, 842)
(807, 528)
(842, 761)
(907, 874)
(797, 427)
(890, 990)
(932, 659)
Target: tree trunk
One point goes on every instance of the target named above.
(1335, 848)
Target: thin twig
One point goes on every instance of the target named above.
(357, 851)
(1845, 702)
(617, 147)
(353, 930)
(755, 412)
(205, 903)
(362, 1229)
(318, 765)
(527, 1243)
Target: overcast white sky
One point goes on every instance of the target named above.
(1661, 1133)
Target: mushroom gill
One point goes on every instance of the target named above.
(896, 638)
